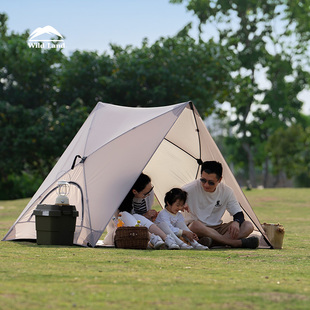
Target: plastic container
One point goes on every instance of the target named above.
(120, 223)
(55, 224)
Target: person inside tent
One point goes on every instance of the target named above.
(171, 221)
(137, 205)
(208, 199)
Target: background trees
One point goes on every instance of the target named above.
(257, 62)
(270, 39)
(46, 96)
(27, 80)
(172, 70)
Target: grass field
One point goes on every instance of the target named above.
(60, 277)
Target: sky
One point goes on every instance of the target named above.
(91, 25)
(94, 24)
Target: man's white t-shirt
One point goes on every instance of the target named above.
(209, 207)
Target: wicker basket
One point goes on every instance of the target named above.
(131, 237)
(275, 233)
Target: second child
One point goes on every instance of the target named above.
(171, 221)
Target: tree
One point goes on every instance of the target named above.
(289, 151)
(45, 96)
(171, 70)
(82, 78)
(247, 28)
(27, 75)
(288, 148)
(32, 134)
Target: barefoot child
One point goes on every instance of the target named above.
(171, 221)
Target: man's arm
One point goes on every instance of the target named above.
(239, 217)
(234, 228)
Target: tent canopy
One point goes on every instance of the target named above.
(112, 148)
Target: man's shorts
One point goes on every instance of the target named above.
(222, 228)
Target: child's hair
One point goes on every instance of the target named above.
(139, 185)
(173, 195)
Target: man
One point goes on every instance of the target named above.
(208, 199)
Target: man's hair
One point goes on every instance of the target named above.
(212, 167)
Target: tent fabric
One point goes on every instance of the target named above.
(112, 148)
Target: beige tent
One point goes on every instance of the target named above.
(112, 148)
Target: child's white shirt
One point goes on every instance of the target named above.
(171, 219)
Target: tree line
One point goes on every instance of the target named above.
(45, 96)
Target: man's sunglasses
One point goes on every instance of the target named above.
(204, 181)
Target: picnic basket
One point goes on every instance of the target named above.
(128, 237)
(275, 233)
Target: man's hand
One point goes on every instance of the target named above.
(185, 208)
(233, 230)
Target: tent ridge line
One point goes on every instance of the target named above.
(253, 222)
(199, 161)
(154, 118)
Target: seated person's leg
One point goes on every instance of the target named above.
(203, 231)
(246, 229)
(128, 219)
(143, 220)
(193, 242)
(166, 229)
(150, 226)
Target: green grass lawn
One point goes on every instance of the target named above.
(60, 277)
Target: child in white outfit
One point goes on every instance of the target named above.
(171, 221)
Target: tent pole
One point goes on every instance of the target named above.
(199, 161)
(266, 240)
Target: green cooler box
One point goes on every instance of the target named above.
(55, 224)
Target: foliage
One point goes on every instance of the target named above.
(31, 141)
(82, 78)
(34, 129)
(20, 185)
(172, 70)
(289, 150)
(270, 39)
(28, 75)
(45, 96)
